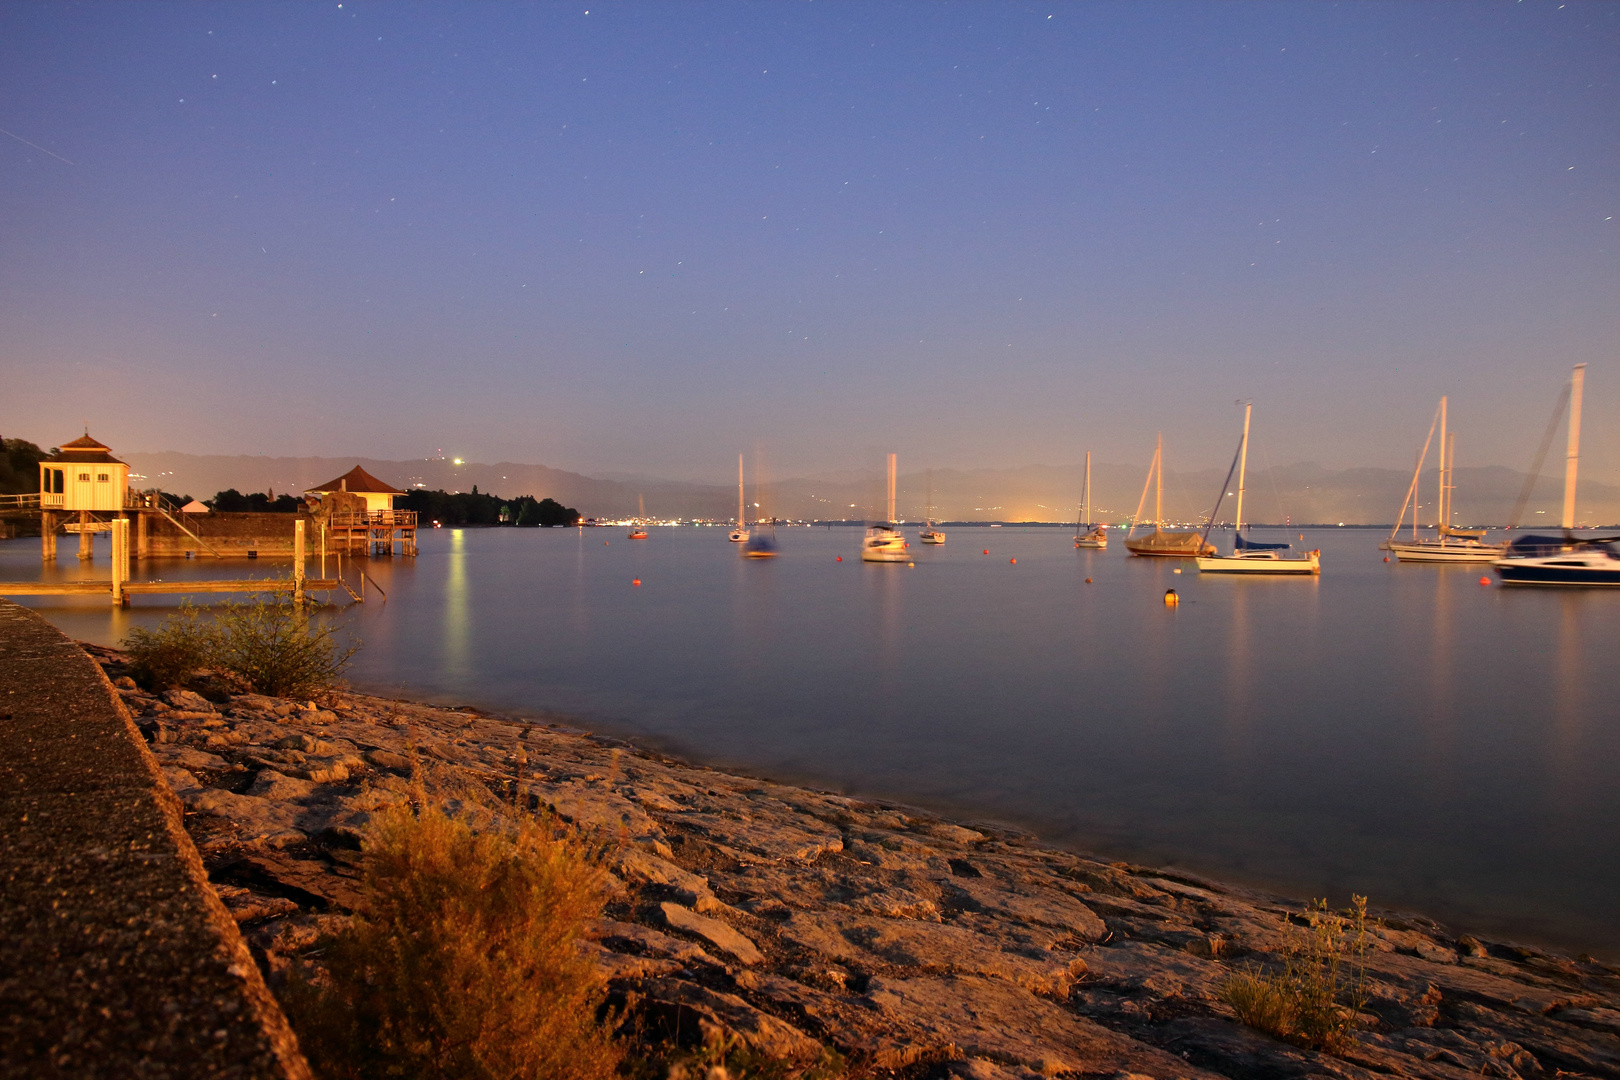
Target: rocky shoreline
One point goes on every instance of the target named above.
(821, 933)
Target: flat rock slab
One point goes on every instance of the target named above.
(116, 958)
(715, 932)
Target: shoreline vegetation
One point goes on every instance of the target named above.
(418, 881)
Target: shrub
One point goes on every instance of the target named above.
(1312, 1000)
(462, 960)
(276, 648)
(171, 654)
(272, 647)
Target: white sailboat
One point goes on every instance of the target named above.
(883, 541)
(739, 535)
(1169, 545)
(929, 534)
(1450, 545)
(1566, 560)
(1252, 559)
(638, 530)
(1096, 537)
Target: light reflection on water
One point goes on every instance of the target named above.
(1394, 730)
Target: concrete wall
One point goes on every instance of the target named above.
(116, 957)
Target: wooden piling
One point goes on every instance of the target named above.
(298, 561)
(47, 537)
(87, 539)
(119, 559)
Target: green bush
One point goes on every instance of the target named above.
(173, 653)
(1314, 998)
(462, 961)
(270, 646)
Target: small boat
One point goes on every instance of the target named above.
(761, 542)
(1159, 542)
(1568, 560)
(929, 534)
(739, 535)
(638, 531)
(883, 541)
(1249, 557)
(1450, 545)
(1085, 534)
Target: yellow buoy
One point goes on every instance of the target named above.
(1170, 598)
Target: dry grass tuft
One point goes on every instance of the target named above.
(463, 961)
(1314, 998)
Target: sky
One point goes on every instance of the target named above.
(643, 237)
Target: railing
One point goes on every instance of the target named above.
(399, 519)
(29, 501)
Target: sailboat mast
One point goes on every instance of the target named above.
(1243, 465)
(740, 521)
(1573, 455)
(1158, 490)
(1451, 479)
(891, 488)
(1085, 494)
(1439, 514)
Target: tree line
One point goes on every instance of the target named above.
(475, 508)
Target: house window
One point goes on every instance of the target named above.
(101, 478)
(84, 478)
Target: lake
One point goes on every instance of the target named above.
(1394, 730)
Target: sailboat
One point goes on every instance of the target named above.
(1546, 560)
(1097, 537)
(739, 535)
(1450, 545)
(929, 534)
(884, 542)
(761, 540)
(638, 531)
(1171, 545)
(1248, 557)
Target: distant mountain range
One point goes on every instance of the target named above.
(1301, 493)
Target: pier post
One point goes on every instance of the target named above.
(142, 544)
(323, 550)
(298, 561)
(87, 551)
(47, 536)
(120, 559)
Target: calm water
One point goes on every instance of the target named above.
(1393, 730)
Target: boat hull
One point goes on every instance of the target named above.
(932, 538)
(1095, 545)
(1433, 552)
(1560, 571)
(1163, 545)
(1305, 566)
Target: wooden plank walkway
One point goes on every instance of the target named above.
(247, 585)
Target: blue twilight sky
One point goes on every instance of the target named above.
(643, 237)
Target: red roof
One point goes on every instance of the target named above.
(356, 480)
(84, 451)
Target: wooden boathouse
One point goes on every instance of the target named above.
(358, 512)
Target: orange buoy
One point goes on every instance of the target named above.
(839, 559)
(1484, 581)
(1088, 581)
(1170, 598)
(604, 543)
(637, 581)
(987, 551)
(1386, 558)
(1014, 562)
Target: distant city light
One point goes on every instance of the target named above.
(456, 461)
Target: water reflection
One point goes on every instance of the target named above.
(457, 609)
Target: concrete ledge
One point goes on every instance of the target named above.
(116, 957)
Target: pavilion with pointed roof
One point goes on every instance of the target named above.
(83, 475)
(378, 495)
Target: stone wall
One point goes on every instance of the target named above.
(117, 959)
